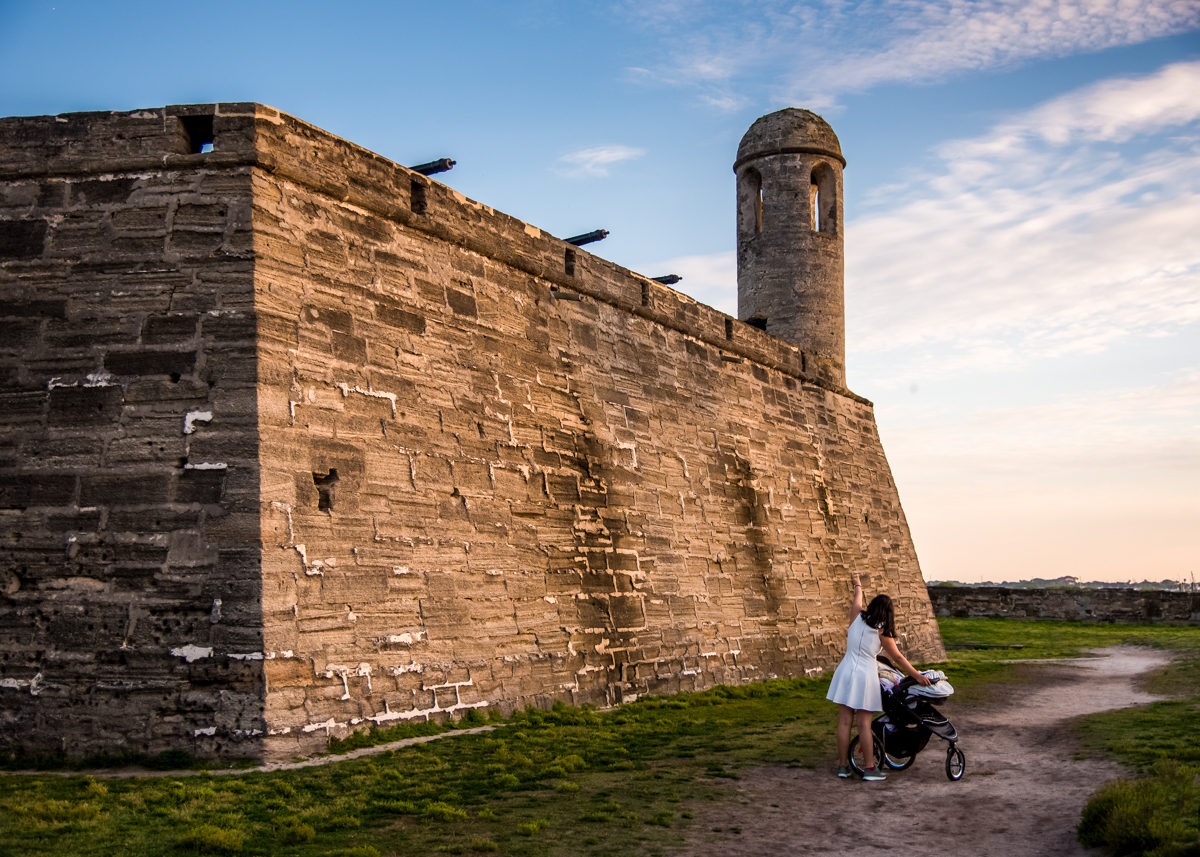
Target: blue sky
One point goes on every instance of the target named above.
(1022, 199)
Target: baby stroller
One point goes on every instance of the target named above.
(907, 722)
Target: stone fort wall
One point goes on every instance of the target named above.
(1074, 603)
(456, 462)
(129, 495)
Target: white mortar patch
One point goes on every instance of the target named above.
(34, 684)
(193, 417)
(376, 394)
(407, 638)
(192, 652)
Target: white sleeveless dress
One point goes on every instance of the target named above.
(856, 680)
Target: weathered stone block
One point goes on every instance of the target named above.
(22, 239)
(147, 362)
(200, 485)
(84, 406)
(21, 490)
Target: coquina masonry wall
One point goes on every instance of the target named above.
(490, 469)
(130, 602)
(555, 478)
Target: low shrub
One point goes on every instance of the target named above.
(293, 831)
(442, 811)
(1155, 816)
(360, 851)
(506, 781)
(210, 839)
(531, 827)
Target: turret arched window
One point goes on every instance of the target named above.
(750, 201)
(758, 204)
(814, 205)
(823, 200)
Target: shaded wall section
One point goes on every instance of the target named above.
(498, 471)
(129, 577)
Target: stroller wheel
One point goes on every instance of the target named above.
(956, 763)
(898, 763)
(858, 759)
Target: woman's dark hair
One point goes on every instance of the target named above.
(881, 616)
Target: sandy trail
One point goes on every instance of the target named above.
(1022, 795)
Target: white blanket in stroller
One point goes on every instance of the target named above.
(940, 688)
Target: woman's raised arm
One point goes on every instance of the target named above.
(856, 603)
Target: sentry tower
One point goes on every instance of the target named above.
(789, 227)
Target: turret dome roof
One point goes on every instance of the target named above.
(789, 130)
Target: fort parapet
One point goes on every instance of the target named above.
(295, 440)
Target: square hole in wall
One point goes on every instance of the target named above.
(198, 134)
(325, 483)
(418, 202)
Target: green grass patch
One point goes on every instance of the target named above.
(171, 760)
(1143, 735)
(564, 781)
(974, 640)
(210, 839)
(1154, 816)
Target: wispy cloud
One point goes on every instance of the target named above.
(1112, 111)
(1038, 240)
(724, 101)
(596, 160)
(813, 52)
(1041, 238)
(924, 41)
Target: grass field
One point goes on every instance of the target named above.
(574, 781)
(1156, 814)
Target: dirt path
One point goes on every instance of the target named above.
(1022, 795)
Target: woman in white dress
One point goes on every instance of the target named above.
(855, 684)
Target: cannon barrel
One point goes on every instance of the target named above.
(668, 280)
(441, 165)
(588, 237)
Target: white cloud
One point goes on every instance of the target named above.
(927, 40)
(1030, 243)
(1008, 284)
(726, 102)
(814, 51)
(596, 160)
(1108, 111)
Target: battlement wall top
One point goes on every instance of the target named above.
(236, 136)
